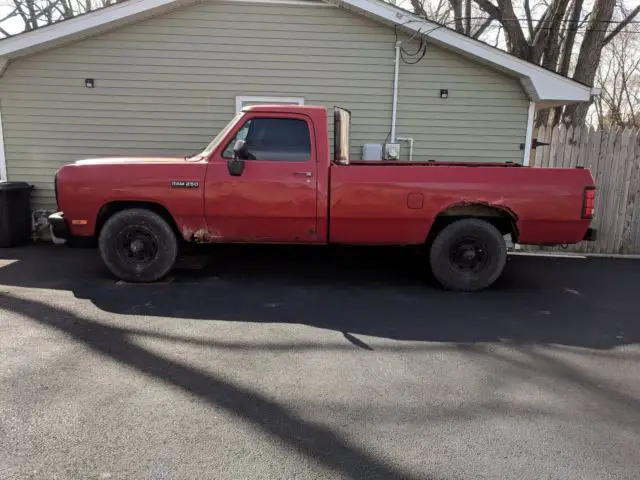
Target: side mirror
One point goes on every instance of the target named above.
(240, 150)
(240, 154)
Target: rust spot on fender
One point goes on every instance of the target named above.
(477, 207)
(483, 208)
(201, 235)
(187, 233)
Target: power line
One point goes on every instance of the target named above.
(580, 28)
(524, 19)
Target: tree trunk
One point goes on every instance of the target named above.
(467, 14)
(589, 57)
(456, 5)
(567, 49)
(418, 8)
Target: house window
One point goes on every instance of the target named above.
(243, 101)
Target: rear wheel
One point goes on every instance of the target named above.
(468, 255)
(138, 245)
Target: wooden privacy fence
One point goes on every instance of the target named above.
(613, 156)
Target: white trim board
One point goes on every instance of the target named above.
(240, 101)
(540, 84)
(3, 159)
(528, 139)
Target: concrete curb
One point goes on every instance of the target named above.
(574, 255)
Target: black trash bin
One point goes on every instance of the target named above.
(15, 213)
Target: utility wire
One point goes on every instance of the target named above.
(540, 20)
(579, 29)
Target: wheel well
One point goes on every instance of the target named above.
(500, 217)
(109, 209)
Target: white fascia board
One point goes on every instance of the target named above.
(106, 19)
(84, 25)
(540, 84)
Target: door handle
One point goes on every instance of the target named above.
(303, 174)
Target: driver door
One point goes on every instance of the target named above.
(274, 198)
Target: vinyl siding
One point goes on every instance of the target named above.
(166, 85)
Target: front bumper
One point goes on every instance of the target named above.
(59, 226)
(591, 235)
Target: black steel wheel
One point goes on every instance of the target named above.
(468, 255)
(138, 245)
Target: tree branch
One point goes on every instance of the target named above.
(418, 8)
(498, 36)
(569, 42)
(527, 11)
(482, 28)
(621, 25)
(505, 14)
(467, 14)
(456, 5)
(490, 8)
(547, 37)
(9, 15)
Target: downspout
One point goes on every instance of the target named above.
(394, 107)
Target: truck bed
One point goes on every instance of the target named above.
(392, 203)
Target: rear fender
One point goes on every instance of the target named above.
(501, 216)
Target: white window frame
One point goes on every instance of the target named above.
(241, 99)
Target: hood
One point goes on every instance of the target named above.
(127, 160)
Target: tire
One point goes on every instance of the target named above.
(138, 245)
(468, 255)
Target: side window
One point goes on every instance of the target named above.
(279, 139)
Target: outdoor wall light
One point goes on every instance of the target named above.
(89, 83)
(444, 93)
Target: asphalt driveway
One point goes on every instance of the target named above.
(274, 363)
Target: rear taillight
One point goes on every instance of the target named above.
(589, 203)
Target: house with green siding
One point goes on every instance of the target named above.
(161, 77)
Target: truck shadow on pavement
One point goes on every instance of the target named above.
(378, 292)
(568, 302)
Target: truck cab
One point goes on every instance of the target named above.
(267, 179)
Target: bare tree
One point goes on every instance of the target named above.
(462, 15)
(566, 34)
(619, 78)
(32, 14)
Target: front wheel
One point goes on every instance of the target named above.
(138, 245)
(468, 255)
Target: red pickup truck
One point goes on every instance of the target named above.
(269, 177)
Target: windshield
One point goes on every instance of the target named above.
(223, 133)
